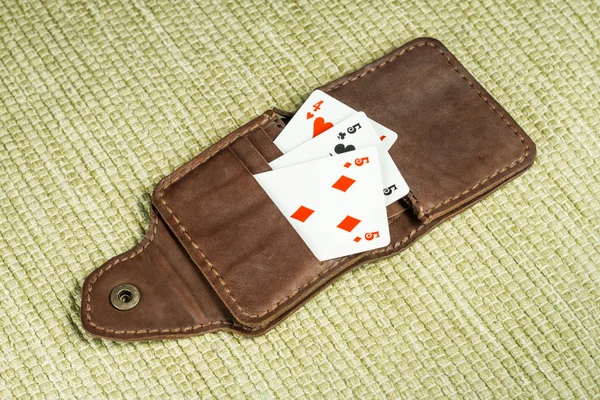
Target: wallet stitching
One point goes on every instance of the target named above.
(141, 248)
(448, 58)
(345, 82)
(294, 292)
(211, 266)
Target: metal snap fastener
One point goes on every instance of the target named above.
(124, 297)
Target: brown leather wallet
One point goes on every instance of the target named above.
(219, 255)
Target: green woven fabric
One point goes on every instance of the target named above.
(99, 100)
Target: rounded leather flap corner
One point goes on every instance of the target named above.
(172, 297)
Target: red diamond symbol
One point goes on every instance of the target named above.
(382, 137)
(357, 239)
(302, 213)
(347, 165)
(343, 183)
(348, 223)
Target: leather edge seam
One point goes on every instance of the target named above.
(165, 183)
(141, 247)
(425, 214)
(269, 117)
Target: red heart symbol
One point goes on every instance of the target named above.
(320, 126)
(309, 115)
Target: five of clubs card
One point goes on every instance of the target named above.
(335, 178)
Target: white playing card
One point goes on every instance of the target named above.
(319, 113)
(335, 203)
(355, 132)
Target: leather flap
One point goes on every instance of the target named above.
(454, 141)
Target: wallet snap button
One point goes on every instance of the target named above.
(124, 297)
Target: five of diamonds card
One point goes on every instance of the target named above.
(335, 178)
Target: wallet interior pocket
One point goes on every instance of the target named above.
(264, 144)
(236, 235)
(249, 156)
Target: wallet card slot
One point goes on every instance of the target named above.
(275, 125)
(394, 209)
(249, 156)
(264, 144)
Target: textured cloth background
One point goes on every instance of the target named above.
(99, 100)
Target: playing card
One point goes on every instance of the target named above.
(319, 113)
(335, 203)
(355, 132)
(348, 135)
